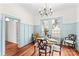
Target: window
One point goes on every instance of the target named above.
(55, 29)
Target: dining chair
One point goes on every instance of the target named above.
(44, 48)
(35, 35)
(70, 40)
(56, 47)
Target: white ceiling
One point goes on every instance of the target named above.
(34, 8)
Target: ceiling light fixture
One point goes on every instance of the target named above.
(46, 11)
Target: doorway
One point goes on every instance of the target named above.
(11, 36)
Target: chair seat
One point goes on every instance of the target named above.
(56, 47)
(36, 44)
(43, 51)
(69, 41)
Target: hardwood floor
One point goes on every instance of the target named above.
(29, 51)
(11, 48)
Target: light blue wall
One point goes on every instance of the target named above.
(31, 31)
(26, 41)
(77, 32)
(66, 29)
(22, 35)
(26, 32)
(2, 36)
(37, 28)
(69, 28)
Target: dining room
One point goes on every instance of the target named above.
(44, 29)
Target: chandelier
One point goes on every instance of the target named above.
(46, 11)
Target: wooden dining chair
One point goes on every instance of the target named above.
(44, 48)
(56, 47)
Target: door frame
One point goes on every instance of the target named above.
(4, 16)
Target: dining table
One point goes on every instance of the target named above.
(50, 41)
